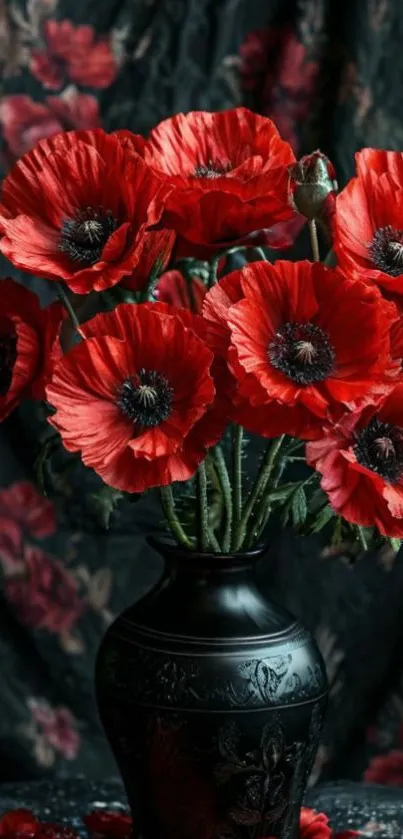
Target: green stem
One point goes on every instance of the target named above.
(190, 291)
(313, 235)
(206, 537)
(212, 277)
(259, 487)
(64, 299)
(168, 506)
(225, 485)
(237, 441)
(362, 537)
(261, 254)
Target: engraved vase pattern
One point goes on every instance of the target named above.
(212, 698)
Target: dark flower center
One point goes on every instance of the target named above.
(387, 250)
(303, 352)
(146, 398)
(8, 355)
(212, 169)
(83, 238)
(379, 447)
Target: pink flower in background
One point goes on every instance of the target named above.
(73, 53)
(56, 726)
(276, 70)
(25, 121)
(22, 503)
(23, 513)
(386, 769)
(44, 595)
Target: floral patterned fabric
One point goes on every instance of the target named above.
(330, 75)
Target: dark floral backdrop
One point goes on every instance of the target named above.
(330, 75)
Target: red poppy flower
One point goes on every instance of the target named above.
(175, 290)
(128, 397)
(288, 348)
(73, 53)
(18, 822)
(25, 121)
(361, 463)
(109, 824)
(368, 231)
(79, 208)
(313, 825)
(27, 345)
(230, 174)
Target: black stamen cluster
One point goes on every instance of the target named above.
(379, 447)
(386, 250)
(212, 169)
(146, 398)
(83, 238)
(303, 352)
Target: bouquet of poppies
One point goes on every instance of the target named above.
(177, 335)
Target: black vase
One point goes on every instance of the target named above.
(212, 698)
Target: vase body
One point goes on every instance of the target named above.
(212, 698)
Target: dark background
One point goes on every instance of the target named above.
(329, 73)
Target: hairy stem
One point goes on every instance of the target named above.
(259, 487)
(212, 278)
(64, 299)
(206, 538)
(168, 506)
(237, 441)
(225, 485)
(313, 235)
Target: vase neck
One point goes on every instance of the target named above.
(212, 595)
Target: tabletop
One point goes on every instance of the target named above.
(373, 810)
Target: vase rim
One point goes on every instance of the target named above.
(216, 561)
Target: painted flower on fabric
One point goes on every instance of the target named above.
(386, 769)
(79, 207)
(24, 513)
(361, 462)
(130, 405)
(43, 594)
(73, 53)
(22, 503)
(25, 121)
(229, 170)
(279, 78)
(54, 731)
(282, 328)
(368, 228)
(28, 344)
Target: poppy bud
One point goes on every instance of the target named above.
(312, 182)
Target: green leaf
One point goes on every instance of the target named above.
(323, 519)
(41, 462)
(317, 501)
(395, 544)
(283, 493)
(104, 503)
(299, 506)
